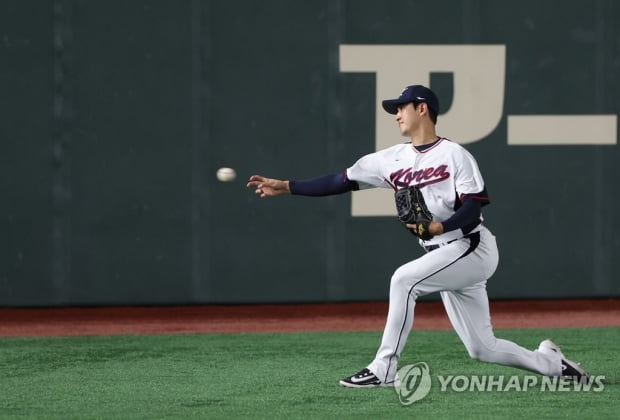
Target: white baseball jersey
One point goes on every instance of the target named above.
(444, 172)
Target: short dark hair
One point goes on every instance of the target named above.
(431, 113)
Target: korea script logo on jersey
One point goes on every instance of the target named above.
(421, 178)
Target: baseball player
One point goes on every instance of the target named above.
(441, 180)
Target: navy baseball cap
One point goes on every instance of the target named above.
(415, 93)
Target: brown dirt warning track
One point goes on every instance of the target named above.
(23, 322)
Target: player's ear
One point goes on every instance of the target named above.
(423, 108)
(428, 111)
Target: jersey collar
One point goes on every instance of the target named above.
(426, 147)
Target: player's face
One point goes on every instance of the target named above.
(408, 119)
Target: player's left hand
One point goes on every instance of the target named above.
(434, 228)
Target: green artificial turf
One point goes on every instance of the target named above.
(281, 376)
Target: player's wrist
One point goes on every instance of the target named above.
(436, 228)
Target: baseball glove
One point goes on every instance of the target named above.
(412, 210)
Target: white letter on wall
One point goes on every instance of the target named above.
(540, 130)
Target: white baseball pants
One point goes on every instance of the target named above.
(459, 270)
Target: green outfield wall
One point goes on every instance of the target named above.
(117, 114)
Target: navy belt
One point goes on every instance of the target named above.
(430, 248)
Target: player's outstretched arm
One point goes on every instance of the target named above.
(268, 187)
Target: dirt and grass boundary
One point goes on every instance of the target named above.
(370, 316)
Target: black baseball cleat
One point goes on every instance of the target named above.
(362, 379)
(570, 370)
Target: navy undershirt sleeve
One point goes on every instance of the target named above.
(466, 217)
(323, 185)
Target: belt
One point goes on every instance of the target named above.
(430, 248)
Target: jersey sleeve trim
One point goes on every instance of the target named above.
(482, 197)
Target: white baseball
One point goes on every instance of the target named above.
(226, 174)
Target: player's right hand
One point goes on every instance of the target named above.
(268, 187)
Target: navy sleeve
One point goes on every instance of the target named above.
(323, 185)
(467, 215)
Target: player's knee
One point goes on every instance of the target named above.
(402, 280)
(478, 354)
(481, 352)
